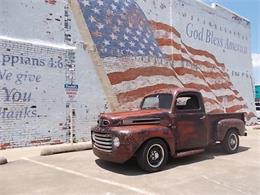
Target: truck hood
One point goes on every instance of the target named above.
(154, 116)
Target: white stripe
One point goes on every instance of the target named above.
(190, 78)
(113, 64)
(140, 191)
(169, 50)
(162, 34)
(169, 35)
(135, 104)
(145, 81)
(207, 94)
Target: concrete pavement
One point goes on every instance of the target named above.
(81, 172)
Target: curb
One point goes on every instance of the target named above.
(3, 160)
(66, 148)
(256, 126)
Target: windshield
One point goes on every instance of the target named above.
(157, 101)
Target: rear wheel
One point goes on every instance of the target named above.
(231, 142)
(153, 155)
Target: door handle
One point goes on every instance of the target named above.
(202, 117)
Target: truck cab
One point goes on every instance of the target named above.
(170, 122)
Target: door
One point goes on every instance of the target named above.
(190, 122)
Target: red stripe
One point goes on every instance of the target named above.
(133, 73)
(161, 26)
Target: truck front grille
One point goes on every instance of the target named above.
(102, 141)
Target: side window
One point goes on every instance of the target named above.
(187, 102)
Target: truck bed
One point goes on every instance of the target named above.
(213, 120)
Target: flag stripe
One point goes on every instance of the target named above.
(133, 73)
(141, 92)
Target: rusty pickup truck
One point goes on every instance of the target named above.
(170, 122)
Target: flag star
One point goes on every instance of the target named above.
(106, 42)
(150, 52)
(104, 49)
(92, 19)
(119, 22)
(142, 45)
(135, 38)
(100, 26)
(113, 36)
(128, 30)
(138, 32)
(100, 3)
(113, 6)
(116, 1)
(85, 3)
(115, 29)
(126, 4)
(126, 37)
(152, 48)
(95, 10)
(145, 40)
(122, 44)
(130, 51)
(140, 28)
(132, 43)
(123, 9)
(140, 51)
(110, 12)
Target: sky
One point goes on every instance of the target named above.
(250, 9)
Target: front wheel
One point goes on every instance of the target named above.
(231, 142)
(153, 155)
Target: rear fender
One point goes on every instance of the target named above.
(226, 124)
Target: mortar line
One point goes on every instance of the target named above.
(134, 189)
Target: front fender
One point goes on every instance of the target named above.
(139, 134)
(224, 125)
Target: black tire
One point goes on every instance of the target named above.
(231, 142)
(153, 155)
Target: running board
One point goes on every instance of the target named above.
(190, 152)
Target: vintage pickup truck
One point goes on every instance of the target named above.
(171, 122)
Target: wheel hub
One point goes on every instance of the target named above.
(233, 142)
(155, 155)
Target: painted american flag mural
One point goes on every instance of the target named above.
(141, 55)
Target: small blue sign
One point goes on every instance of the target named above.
(71, 86)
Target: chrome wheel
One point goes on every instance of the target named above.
(155, 155)
(233, 141)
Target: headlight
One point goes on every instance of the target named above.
(116, 142)
(93, 137)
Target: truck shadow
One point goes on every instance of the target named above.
(130, 168)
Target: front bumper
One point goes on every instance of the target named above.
(117, 155)
(103, 147)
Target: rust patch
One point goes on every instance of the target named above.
(4, 146)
